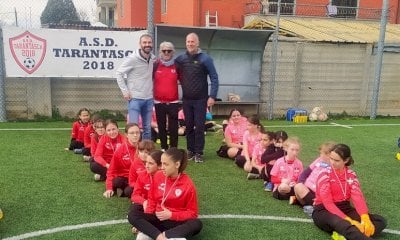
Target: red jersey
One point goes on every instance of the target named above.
(120, 163)
(142, 188)
(165, 83)
(137, 167)
(333, 186)
(106, 148)
(176, 194)
(87, 136)
(78, 130)
(94, 141)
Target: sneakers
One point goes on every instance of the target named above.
(251, 176)
(198, 158)
(97, 177)
(308, 209)
(268, 186)
(337, 236)
(86, 158)
(142, 236)
(292, 200)
(190, 155)
(134, 230)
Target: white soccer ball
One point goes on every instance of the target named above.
(29, 63)
(312, 117)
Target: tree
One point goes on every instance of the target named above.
(58, 11)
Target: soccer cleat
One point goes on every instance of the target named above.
(337, 236)
(142, 236)
(308, 209)
(251, 176)
(86, 158)
(292, 200)
(268, 186)
(134, 230)
(198, 158)
(78, 150)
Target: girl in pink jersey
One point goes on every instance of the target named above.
(305, 187)
(78, 129)
(105, 150)
(172, 209)
(337, 186)
(143, 182)
(251, 137)
(286, 170)
(267, 139)
(118, 172)
(233, 135)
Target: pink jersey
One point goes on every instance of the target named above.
(284, 169)
(251, 141)
(334, 186)
(236, 132)
(257, 152)
(316, 167)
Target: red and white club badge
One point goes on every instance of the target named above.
(28, 51)
(178, 192)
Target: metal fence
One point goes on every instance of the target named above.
(337, 77)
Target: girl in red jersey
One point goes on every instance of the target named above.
(172, 210)
(138, 163)
(118, 172)
(78, 129)
(251, 137)
(87, 138)
(100, 129)
(286, 171)
(105, 150)
(336, 187)
(143, 182)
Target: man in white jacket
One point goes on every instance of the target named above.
(134, 78)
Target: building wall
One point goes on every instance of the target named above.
(181, 13)
(135, 13)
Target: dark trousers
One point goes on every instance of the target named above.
(240, 161)
(170, 111)
(86, 152)
(98, 169)
(195, 117)
(283, 196)
(330, 222)
(150, 225)
(75, 144)
(122, 183)
(266, 172)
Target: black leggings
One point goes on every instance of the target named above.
(150, 225)
(122, 183)
(330, 222)
(95, 167)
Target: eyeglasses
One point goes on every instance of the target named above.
(166, 51)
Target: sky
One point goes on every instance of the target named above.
(29, 11)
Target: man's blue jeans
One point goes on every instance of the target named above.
(143, 108)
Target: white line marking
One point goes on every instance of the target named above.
(124, 221)
(340, 125)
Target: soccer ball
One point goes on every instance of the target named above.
(29, 63)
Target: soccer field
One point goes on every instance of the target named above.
(48, 193)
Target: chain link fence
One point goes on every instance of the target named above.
(337, 77)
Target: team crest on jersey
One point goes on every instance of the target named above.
(178, 192)
(126, 157)
(161, 187)
(147, 186)
(28, 51)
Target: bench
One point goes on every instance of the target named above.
(223, 108)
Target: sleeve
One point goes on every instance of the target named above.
(151, 201)
(323, 190)
(124, 69)
(133, 174)
(191, 208)
(113, 169)
(272, 155)
(75, 130)
(98, 157)
(212, 72)
(93, 145)
(275, 178)
(357, 197)
(86, 136)
(304, 175)
(138, 192)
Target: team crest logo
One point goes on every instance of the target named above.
(28, 51)
(178, 192)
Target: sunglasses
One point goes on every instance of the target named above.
(166, 51)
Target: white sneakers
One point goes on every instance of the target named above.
(142, 236)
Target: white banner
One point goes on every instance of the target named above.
(66, 53)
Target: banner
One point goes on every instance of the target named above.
(66, 53)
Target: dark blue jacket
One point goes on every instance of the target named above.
(192, 72)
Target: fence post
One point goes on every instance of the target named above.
(379, 55)
(3, 114)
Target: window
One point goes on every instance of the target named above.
(287, 7)
(111, 18)
(345, 8)
(163, 6)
